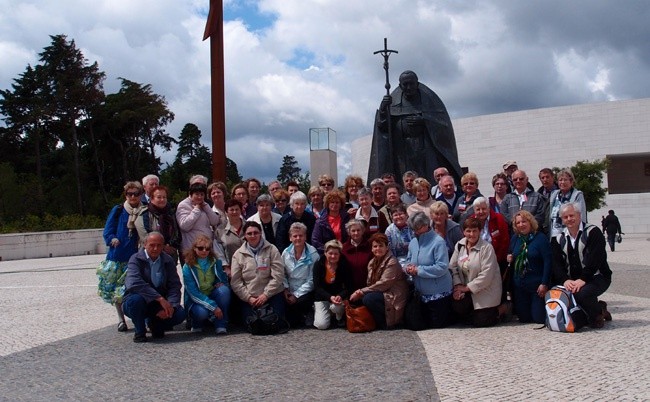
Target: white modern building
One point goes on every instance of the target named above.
(559, 136)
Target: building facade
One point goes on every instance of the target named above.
(559, 137)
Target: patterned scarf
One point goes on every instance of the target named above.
(521, 262)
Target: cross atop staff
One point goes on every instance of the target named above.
(385, 52)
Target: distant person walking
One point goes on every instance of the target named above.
(612, 226)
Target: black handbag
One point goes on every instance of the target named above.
(265, 321)
(619, 238)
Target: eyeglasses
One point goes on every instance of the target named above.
(132, 194)
(256, 233)
(202, 248)
(326, 185)
(499, 183)
(469, 183)
(282, 200)
(518, 178)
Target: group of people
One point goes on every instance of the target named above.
(461, 256)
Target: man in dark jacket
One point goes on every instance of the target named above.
(297, 203)
(612, 226)
(153, 290)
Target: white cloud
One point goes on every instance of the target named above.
(314, 65)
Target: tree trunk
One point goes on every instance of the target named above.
(77, 168)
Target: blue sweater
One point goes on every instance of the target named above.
(429, 253)
(540, 260)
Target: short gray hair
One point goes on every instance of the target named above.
(298, 227)
(377, 182)
(297, 196)
(480, 201)
(198, 178)
(353, 222)
(148, 177)
(264, 198)
(418, 220)
(575, 205)
(364, 191)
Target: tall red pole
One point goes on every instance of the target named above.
(214, 30)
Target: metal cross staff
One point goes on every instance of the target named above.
(385, 52)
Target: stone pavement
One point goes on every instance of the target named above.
(58, 341)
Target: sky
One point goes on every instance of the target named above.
(292, 65)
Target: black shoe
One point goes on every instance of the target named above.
(121, 327)
(140, 338)
(606, 314)
(157, 331)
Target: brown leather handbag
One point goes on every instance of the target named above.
(358, 318)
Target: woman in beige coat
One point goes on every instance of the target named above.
(387, 290)
(476, 276)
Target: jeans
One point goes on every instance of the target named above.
(375, 303)
(529, 307)
(276, 302)
(611, 239)
(298, 312)
(138, 310)
(201, 315)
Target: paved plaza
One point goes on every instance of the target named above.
(58, 341)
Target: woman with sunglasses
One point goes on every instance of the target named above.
(206, 293)
(121, 237)
(257, 272)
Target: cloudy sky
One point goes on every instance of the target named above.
(291, 65)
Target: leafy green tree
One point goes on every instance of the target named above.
(589, 180)
(232, 173)
(26, 139)
(72, 88)
(191, 158)
(134, 120)
(304, 182)
(289, 170)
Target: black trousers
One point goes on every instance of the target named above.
(587, 299)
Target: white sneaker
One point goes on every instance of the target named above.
(222, 331)
(195, 330)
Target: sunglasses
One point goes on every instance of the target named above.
(253, 233)
(132, 194)
(202, 248)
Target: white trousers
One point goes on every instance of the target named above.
(323, 313)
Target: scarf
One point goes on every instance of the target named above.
(521, 262)
(133, 215)
(165, 221)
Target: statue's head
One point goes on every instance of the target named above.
(408, 81)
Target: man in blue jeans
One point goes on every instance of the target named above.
(153, 290)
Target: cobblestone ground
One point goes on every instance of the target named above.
(58, 341)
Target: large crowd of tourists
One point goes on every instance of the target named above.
(463, 256)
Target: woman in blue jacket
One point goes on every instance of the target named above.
(121, 239)
(207, 294)
(530, 260)
(428, 265)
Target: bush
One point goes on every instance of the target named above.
(34, 223)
